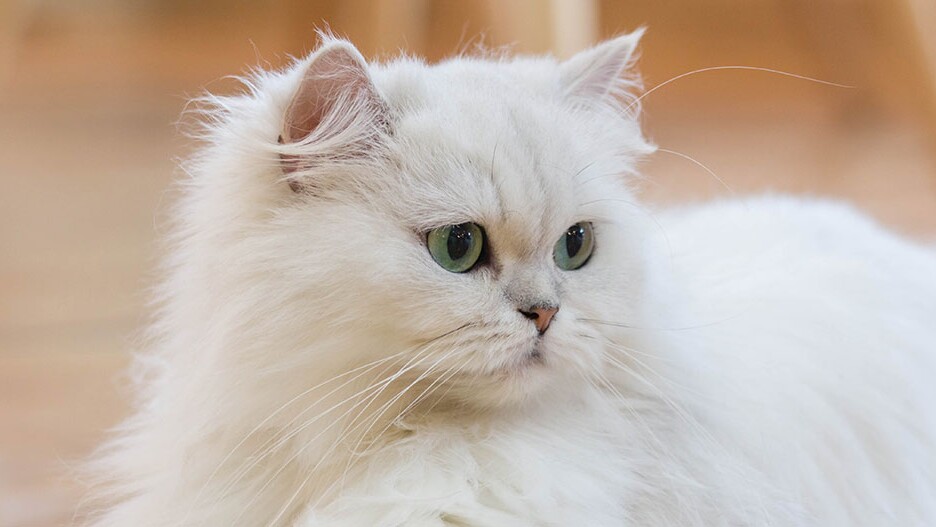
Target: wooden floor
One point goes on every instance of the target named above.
(83, 175)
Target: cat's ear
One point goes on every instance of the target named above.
(603, 70)
(336, 111)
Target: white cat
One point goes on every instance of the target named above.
(411, 295)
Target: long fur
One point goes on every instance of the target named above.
(758, 362)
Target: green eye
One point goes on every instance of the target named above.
(574, 247)
(456, 248)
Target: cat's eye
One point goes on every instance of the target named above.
(457, 248)
(575, 247)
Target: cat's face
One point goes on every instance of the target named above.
(468, 223)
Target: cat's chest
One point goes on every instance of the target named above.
(569, 471)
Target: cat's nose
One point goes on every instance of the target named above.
(541, 316)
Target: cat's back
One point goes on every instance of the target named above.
(815, 330)
(792, 258)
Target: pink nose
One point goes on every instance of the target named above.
(541, 316)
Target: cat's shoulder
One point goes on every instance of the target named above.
(787, 224)
(772, 247)
(780, 215)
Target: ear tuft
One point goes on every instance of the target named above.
(335, 111)
(335, 71)
(601, 71)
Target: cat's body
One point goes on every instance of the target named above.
(761, 362)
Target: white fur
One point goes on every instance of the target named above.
(759, 362)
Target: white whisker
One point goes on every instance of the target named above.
(645, 94)
(266, 449)
(700, 165)
(366, 367)
(382, 385)
(348, 431)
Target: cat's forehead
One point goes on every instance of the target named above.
(480, 147)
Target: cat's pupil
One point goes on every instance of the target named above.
(575, 238)
(459, 242)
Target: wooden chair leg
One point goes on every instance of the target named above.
(13, 20)
(922, 16)
(574, 25)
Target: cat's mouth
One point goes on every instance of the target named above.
(533, 357)
(537, 354)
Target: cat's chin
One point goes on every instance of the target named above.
(530, 360)
(531, 372)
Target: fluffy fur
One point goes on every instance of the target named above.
(758, 362)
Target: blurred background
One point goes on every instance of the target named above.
(91, 91)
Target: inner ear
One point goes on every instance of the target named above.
(336, 71)
(335, 111)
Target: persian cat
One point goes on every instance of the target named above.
(403, 294)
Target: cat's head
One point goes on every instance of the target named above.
(469, 222)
